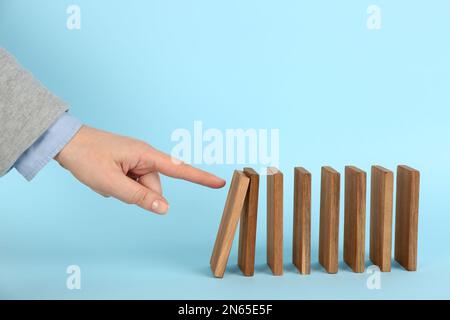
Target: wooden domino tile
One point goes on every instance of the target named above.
(247, 229)
(381, 217)
(406, 217)
(329, 219)
(355, 218)
(301, 255)
(230, 218)
(275, 221)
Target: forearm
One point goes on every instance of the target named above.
(27, 110)
(47, 146)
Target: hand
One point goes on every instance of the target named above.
(126, 169)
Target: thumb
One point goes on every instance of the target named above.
(132, 192)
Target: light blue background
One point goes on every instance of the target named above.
(339, 93)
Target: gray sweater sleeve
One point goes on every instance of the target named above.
(27, 110)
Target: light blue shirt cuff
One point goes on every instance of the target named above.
(47, 146)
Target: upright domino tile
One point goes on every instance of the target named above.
(406, 217)
(230, 218)
(355, 218)
(329, 219)
(275, 220)
(381, 217)
(247, 229)
(301, 255)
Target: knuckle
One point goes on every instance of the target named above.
(180, 169)
(141, 198)
(138, 197)
(136, 146)
(177, 161)
(142, 145)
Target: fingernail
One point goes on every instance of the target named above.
(160, 207)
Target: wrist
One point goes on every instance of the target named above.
(70, 148)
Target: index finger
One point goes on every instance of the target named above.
(175, 168)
